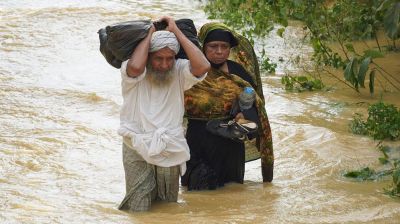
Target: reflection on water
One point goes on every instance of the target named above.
(61, 157)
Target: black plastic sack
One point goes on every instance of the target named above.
(189, 30)
(118, 41)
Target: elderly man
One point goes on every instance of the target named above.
(153, 84)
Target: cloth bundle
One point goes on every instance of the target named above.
(118, 41)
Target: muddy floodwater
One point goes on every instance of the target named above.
(61, 157)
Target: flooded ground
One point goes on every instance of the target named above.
(61, 157)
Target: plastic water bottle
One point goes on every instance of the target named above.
(247, 98)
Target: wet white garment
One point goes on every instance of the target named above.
(152, 116)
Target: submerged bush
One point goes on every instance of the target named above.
(358, 126)
(383, 122)
(301, 83)
(391, 164)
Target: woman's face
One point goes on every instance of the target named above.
(217, 51)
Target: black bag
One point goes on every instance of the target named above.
(189, 30)
(118, 41)
(229, 128)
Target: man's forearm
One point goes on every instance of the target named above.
(198, 62)
(138, 60)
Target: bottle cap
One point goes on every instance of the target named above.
(246, 98)
(248, 90)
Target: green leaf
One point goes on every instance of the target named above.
(348, 72)
(351, 71)
(284, 22)
(284, 79)
(318, 84)
(383, 161)
(363, 70)
(355, 72)
(396, 177)
(371, 81)
(385, 4)
(349, 47)
(362, 174)
(385, 150)
(368, 31)
(391, 21)
(302, 79)
(280, 32)
(373, 54)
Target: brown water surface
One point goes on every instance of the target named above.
(61, 156)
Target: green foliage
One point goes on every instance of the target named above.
(355, 73)
(301, 83)
(394, 189)
(373, 54)
(280, 32)
(383, 122)
(249, 15)
(372, 81)
(391, 18)
(268, 66)
(385, 151)
(365, 173)
(356, 69)
(342, 21)
(391, 162)
(358, 126)
(265, 63)
(323, 55)
(391, 157)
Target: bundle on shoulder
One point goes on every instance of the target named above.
(118, 41)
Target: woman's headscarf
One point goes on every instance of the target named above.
(221, 35)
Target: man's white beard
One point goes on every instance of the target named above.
(159, 78)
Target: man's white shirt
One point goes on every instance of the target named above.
(152, 115)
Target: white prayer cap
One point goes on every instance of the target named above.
(163, 38)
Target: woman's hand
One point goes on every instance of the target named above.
(239, 116)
